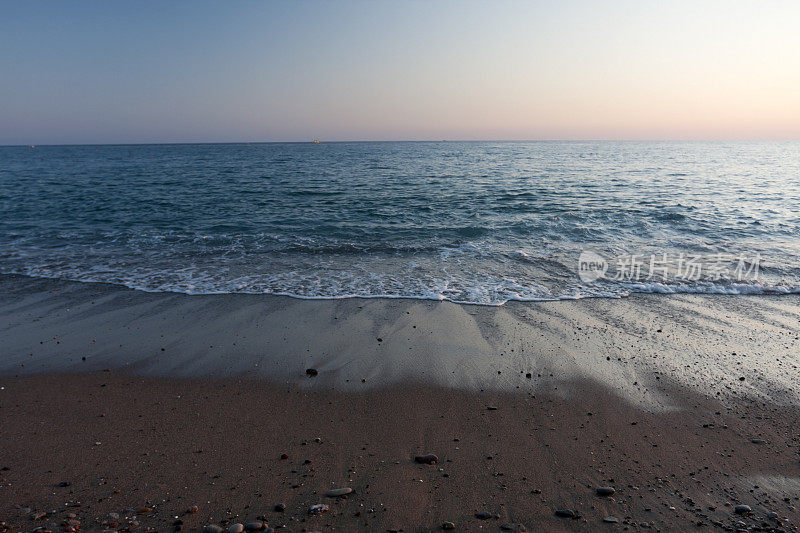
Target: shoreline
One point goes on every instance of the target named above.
(704, 342)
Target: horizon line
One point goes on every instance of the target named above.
(365, 141)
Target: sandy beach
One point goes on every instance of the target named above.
(124, 410)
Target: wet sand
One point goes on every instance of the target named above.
(194, 399)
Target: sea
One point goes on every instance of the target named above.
(472, 222)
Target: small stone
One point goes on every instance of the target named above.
(336, 493)
(448, 526)
(758, 441)
(318, 508)
(427, 459)
(38, 516)
(193, 509)
(491, 408)
(518, 528)
(65, 484)
(280, 507)
(565, 513)
(236, 528)
(605, 491)
(144, 510)
(254, 526)
(611, 519)
(742, 509)
(213, 528)
(483, 515)
(311, 372)
(772, 515)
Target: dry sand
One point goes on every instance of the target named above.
(673, 426)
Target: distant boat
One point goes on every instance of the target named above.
(317, 141)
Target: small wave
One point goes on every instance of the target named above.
(495, 291)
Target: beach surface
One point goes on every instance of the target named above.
(127, 409)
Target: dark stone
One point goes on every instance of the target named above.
(427, 459)
(311, 372)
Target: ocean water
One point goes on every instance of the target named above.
(476, 222)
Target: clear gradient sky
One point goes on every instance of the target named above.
(195, 71)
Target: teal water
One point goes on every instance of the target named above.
(478, 222)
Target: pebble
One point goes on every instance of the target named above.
(565, 513)
(236, 528)
(448, 525)
(311, 372)
(483, 515)
(611, 519)
(318, 508)
(491, 408)
(427, 459)
(605, 491)
(213, 528)
(193, 509)
(772, 515)
(519, 528)
(742, 509)
(280, 507)
(335, 493)
(254, 526)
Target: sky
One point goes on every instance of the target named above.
(195, 71)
